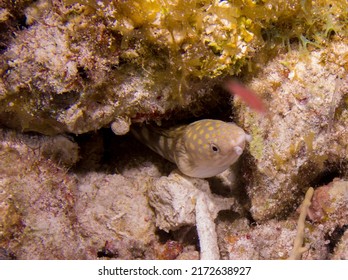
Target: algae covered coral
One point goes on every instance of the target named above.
(79, 67)
(136, 58)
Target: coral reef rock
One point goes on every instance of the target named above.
(47, 212)
(77, 66)
(304, 136)
(82, 72)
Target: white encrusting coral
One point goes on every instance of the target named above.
(183, 201)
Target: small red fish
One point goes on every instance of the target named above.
(249, 97)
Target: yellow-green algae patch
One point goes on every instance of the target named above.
(76, 66)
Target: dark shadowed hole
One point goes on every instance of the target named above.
(335, 237)
(325, 177)
(105, 253)
(163, 236)
(186, 235)
(22, 22)
(83, 72)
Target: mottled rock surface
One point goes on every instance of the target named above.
(304, 136)
(71, 71)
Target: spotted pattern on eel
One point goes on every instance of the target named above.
(201, 149)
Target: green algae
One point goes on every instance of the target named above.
(213, 38)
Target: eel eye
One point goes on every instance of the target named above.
(214, 148)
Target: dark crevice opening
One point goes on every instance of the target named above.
(326, 176)
(335, 237)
